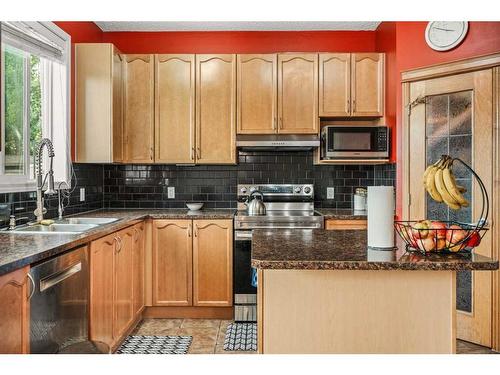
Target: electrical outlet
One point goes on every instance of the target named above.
(82, 194)
(171, 192)
(330, 193)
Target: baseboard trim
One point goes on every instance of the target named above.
(194, 312)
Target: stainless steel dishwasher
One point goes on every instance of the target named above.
(59, 302)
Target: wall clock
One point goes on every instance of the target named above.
(445, 35)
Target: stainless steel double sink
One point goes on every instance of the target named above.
(73, 225)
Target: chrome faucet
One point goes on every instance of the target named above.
(40, 179)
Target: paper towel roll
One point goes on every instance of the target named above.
(381, 216)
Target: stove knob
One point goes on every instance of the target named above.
(252, 189)
(243, 190)
(297, 189)
(307, 189)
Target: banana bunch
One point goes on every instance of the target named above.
(440, 183)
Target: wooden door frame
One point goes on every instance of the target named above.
(491, 61)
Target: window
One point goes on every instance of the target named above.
(34, 102)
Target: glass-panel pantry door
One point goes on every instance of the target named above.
(452, 116)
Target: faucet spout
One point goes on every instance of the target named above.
(40, 180)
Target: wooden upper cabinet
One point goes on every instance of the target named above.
(298, 93)
(139, 267)
(175, 109)
(172, 262)
(335, 84)
(14, 312)
(367, 84)
(257, 94)
(216, 109)
(139, 108)
(102, 268)
(118, 136)
(213, 263)
(98, 103)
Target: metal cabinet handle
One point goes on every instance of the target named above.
(348, 106)
(281, 122)
(354, 105)
(136, 234)
(190, 229)
(119, 244)
(192, 153)
(196, 230)
(198, 153)
(32, 282)
(151, 153)
(59, 277)
(274, 123)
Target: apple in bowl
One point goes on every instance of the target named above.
(454, 235)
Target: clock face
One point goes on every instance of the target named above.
(444, 35)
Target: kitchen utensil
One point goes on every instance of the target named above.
(255, 204)
(194, 206)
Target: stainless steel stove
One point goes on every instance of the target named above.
(288, 206)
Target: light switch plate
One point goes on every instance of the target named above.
(82, 194)
(171, 192)
(330, 193)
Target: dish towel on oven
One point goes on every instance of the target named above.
(254, 277)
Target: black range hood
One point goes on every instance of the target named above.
(277, 142)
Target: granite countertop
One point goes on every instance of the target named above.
(318, 249)
(18, 250)
(342, 213)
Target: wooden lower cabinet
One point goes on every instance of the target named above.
(339, 224)
(116, 269)
(102, 269)
(192, 263)
(14, 312)
(124, 265)
(212, 263)
(138, 271)
(172, 263)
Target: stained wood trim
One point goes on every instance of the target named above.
(192, 312)
(405, 136)
(496, 210)
(335, 224)
(451, 68)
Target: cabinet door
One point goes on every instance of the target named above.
(172, 262)
(139, 108)
(14, 312)
(118, 138)
(124, 264)
(102, 268)
(215, 109)
(213, 263)
(335, 84)
(257, 94)
(94, 86)
(367, 84)
(138, 271)
(298, 93)
(174, 108)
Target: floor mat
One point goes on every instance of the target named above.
(241, 337)
(155, 345)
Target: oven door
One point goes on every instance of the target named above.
(357, 142)
(245, 294)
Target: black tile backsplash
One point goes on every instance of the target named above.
(89, 176)
(145, 186)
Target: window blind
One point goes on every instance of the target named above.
(32, 37)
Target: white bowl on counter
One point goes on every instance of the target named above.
(194, 206)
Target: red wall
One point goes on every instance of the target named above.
(80, 32)
(242, 41)
(412, 52)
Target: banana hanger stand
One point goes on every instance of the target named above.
(405, 228)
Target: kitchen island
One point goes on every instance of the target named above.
(325, 292)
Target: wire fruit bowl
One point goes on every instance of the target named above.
(446, 236)
(440, 236)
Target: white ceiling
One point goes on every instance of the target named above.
(234, 26)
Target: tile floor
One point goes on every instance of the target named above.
(208, 335)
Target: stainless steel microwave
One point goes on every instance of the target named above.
(355, 142)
